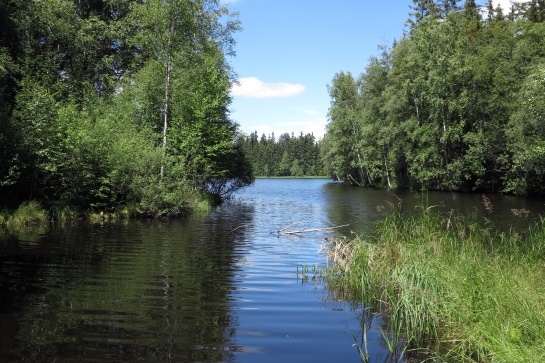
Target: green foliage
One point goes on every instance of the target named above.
(166, 199)
(452, 289)
(100, 99)
(344, 129)
(453, 105)
(26, 215)
(287, 156)
(527, 136)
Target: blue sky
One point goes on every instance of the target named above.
(289, 51)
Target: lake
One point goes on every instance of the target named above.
(228, 286)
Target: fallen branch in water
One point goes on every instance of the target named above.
(244, 225)
(307, 230)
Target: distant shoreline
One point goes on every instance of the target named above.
(292, 177)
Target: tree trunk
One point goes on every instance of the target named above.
(166, 110)
(354, 181)
(366, 170)
(387, 171)
(360, 168)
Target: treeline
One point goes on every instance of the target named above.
(105, 104)
(288, 156)
(457, 104)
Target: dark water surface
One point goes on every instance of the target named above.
(223, 287)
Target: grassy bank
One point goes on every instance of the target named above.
(450, 288)
(26, 215)
(31, 214)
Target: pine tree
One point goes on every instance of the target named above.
(448, 6)
(536, 11)
(470, 9)
(490, 10)
(420, 10)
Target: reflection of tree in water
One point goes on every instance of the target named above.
(167, 307)
(147, 291)
(352, 205)
(363, 207)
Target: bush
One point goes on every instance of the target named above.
(168, 198)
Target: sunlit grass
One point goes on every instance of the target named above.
(450, 287)
(27, 214)
(203, 207)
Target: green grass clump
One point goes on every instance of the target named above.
(203, 206)
(451, 288)
(27, 214)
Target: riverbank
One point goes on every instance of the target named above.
(27, 214)
(449, 287)
(227, 286)
(31, 213)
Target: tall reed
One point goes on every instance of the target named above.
(451, 288)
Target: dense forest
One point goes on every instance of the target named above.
(109, 103)
(458, 103)
(288, 156)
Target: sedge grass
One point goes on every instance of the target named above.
(26, 215)
(450, 288)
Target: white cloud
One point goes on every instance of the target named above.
(255, 88)
(506, 4)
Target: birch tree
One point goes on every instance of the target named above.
(163, 33)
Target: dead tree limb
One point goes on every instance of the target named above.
(308, 230)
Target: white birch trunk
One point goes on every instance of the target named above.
(166, 108)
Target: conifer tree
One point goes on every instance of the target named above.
(448, 6)
(470, 9)
(420, 10)
(490, 10)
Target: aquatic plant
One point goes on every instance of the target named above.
(449, 287)
(304, 272)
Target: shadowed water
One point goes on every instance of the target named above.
(223, 287)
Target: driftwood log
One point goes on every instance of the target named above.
(286, 230)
